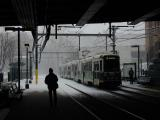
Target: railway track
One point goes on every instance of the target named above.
(101, 109)
(146, 92)
(147, 105)
(138, 96)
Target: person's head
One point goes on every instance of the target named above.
(50, 70)
(131, 68)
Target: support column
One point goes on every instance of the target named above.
(19, 61)
(27, 85)
(114, 40)
(36, 54)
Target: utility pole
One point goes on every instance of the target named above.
(79, 46)
(113, 36)
(138, 61)
(114, 39)
(147, 57)
(137, 46)
(58, 63)
(79, 43)
(106, 43)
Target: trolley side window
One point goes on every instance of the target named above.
(101, 65)
(111, 63)
(88, 66)
(96, 66)
(82, 66)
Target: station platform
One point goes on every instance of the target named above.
(141, 86)
(35, 104)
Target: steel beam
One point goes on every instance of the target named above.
(73, 34)
(92, 10)
(145, 17)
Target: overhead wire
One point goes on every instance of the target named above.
(142, 35)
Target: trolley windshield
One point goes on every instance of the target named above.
(111, 63)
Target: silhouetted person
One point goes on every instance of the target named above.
(51, 81)
(131, 73)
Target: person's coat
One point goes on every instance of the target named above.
(51, 80)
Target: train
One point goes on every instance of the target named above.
(102, 70)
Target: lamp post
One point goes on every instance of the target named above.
(27, 85)
(30, 55)
(138, 57)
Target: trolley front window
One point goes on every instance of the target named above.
(111, 64)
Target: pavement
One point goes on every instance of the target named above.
(35, 104)
(141, 86)
(3, 113)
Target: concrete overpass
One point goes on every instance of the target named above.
(31, 13)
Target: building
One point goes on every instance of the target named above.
(152, 31)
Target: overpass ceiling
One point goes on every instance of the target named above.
(31, 13)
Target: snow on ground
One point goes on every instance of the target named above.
(40, 86)
(87, 89)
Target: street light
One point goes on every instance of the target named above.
(27, 85)
(138, 57)
(30, 54)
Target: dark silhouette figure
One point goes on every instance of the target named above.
(51, 81)
(131, 73)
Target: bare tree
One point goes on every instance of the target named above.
(7, 49)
